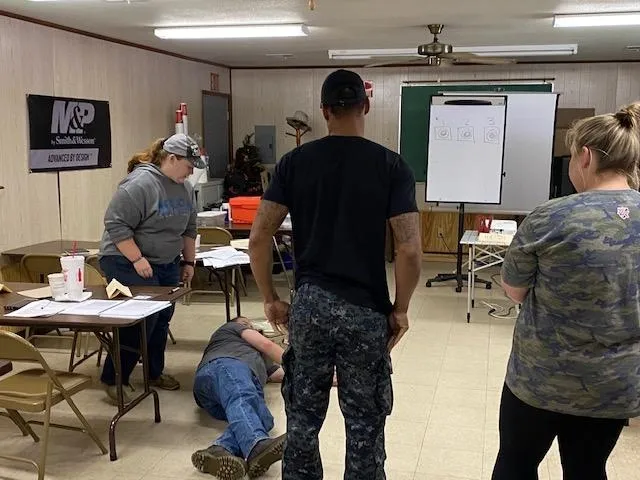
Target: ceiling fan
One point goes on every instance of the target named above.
(435, 54)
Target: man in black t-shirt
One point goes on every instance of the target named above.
(341, 191)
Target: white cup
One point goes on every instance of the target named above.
(227, 208)
(56, 282)
(73, 270)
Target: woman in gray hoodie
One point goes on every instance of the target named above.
(149, 223)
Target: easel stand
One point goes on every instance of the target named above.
(458, 275)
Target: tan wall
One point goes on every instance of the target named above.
(267, 97)
(143, 89)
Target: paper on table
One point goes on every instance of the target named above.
(501, 239)
(37, 293)
(223, 257)
(5, 289)
(82, 251)
(115, 288)
(220, 253)
(135, 309)
(40, 308)
(240, 259)
(91, 307)
(240, 244)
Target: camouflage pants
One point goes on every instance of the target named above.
(325, 331)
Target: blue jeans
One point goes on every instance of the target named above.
(166, 275)
(228, 390)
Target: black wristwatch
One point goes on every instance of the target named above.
(184, 262)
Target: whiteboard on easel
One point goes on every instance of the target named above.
(465, 158)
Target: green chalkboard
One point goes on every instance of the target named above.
(414, 116)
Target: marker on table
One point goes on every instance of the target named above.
(174, 290)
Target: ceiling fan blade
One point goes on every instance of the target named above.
(472, 59)
(485, 61)
(396, 62)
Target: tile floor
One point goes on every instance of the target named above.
(447, 380)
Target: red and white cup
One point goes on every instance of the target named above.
(73, 271)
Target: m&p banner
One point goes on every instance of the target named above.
(68, 133)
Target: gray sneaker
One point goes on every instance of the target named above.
(165, 382)
(112, 393)
(264, 454)
(220, 463)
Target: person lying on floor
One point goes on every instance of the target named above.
(229, 381)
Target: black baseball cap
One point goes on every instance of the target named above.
(343, 88)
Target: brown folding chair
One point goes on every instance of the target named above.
(36, 267)
(214, 236)
(10, 272)
(37, 390)
(94, 262)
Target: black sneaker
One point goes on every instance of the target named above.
(264, 454)
(220, 463)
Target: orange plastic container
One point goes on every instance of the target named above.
(244, 209)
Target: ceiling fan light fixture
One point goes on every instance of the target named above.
(232, 31)
(597, 20)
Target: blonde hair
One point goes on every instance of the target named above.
(615, 139)
(153, 154)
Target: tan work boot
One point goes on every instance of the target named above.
(220, 463)
(264, 454)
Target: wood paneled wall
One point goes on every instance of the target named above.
(143, 89)
(267, 97)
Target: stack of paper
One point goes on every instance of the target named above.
(39, 308)
(499, 239)
(135, 309)
(223, 257)
(91, 307)
(240, 243)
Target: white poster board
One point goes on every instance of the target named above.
(528, 151)
(465, 157)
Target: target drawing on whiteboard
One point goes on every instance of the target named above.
(491, 134)
(465, 134)
(443, 133)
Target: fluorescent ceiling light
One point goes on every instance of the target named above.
(597, 20)
(520, 50)
(484, 51)
(233, 31)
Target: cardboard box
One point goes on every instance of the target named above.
(560, 149)
(566, 116)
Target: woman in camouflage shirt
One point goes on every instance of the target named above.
(574, 369)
